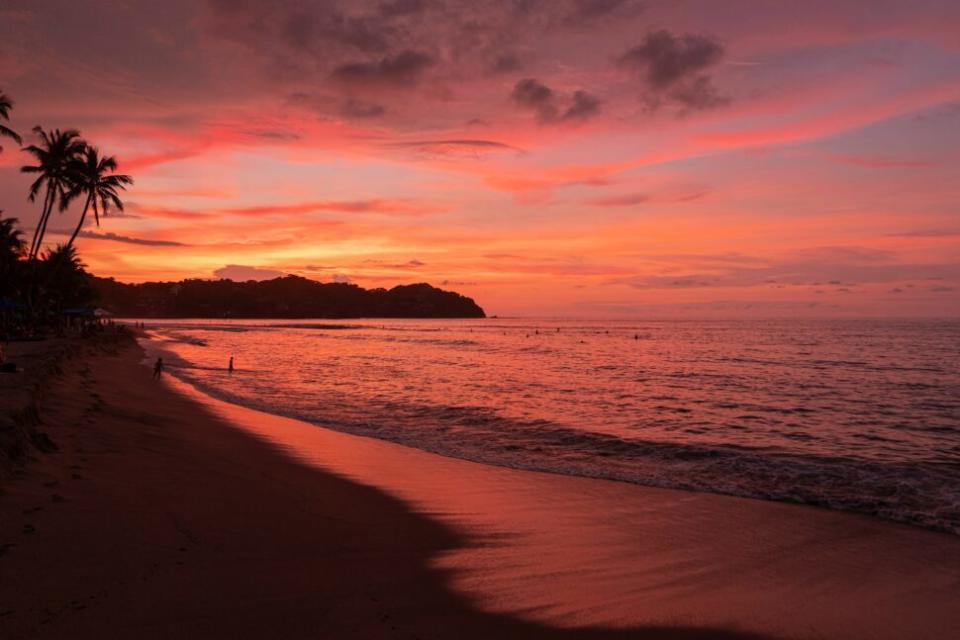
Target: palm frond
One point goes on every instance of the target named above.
(10, 133)
(35, 188)
(5, 105)
(118, 203)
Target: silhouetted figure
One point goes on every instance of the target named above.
(158, 368)
(230, 366)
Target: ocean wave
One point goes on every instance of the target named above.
(869, 424)
(923, 496)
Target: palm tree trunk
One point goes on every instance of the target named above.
(83, 216)
(41, 221)
(43, 230)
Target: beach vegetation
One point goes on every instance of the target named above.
(37, 284)
(6, 104)
(12, 251)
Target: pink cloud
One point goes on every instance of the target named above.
(386, 207)
(881, 162)
(352, 126)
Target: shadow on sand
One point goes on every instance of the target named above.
(184, 526)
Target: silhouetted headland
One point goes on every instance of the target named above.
(286, 297)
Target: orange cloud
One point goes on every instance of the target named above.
(386, 207)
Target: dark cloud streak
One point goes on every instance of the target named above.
(673, 68)
(536, 96)
(400, 70)
(396, 8)
(584, 107)
(533, 95)
(665, 59)
(113, 237)
(354, 108)
(452, 146)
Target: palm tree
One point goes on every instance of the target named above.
(55, 155)
(11, 244)
(12, 249)
(66, 282)
(5, 105)
(93, 176)
(64, 254)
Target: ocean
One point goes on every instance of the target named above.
(855, 415)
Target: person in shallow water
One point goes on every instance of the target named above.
(158, 368)
(230, 366)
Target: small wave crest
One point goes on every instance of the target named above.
(854, 417)
(926, 496)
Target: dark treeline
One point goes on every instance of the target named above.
(287, 297)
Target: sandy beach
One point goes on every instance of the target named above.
(167, 514)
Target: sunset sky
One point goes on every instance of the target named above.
(572, 157)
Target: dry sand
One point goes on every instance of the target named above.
(168, 515)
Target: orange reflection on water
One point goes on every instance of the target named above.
(575, 551)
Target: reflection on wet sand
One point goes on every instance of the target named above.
(577, 551)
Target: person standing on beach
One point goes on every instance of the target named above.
(158, 368)
(230, 366)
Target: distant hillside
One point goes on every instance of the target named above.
(287, 297)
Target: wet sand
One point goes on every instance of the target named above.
(166, 514)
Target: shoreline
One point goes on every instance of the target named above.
(165, 513)
(895, 490)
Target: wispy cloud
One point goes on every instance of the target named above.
(881, 162)
(114, 237)
(466, 146)
(803, 267)
(151, 211)
(385, 207)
